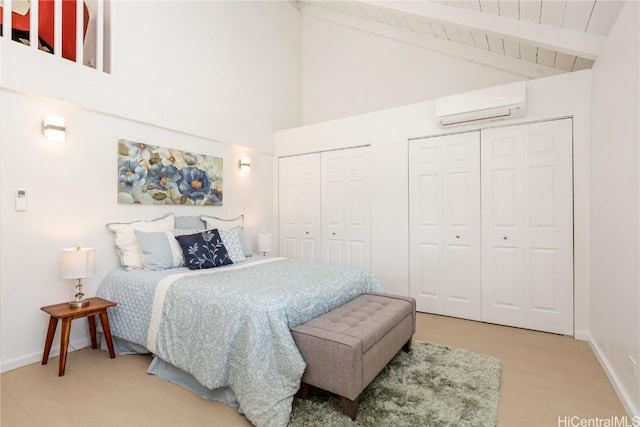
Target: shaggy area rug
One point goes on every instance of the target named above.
(432, 385)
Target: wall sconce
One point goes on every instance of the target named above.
(54, 128)
(245, 165)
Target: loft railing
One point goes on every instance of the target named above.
(69, 29)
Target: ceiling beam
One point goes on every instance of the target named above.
(562, 40)
(479, 56)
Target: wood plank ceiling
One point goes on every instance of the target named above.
(532, 38)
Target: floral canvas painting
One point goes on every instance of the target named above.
(149, 174)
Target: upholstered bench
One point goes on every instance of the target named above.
(346, 348)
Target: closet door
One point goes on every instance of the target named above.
(444, 224)
(299, 206)
(527, 226)
(346, 206)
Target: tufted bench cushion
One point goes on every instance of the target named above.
(347, 347)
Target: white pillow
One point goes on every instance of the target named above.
(126, 242)
(226, 224)
(223, 224)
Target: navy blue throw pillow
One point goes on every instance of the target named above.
(203, 250)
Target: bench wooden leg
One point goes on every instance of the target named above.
(350, 407)
(303, 391)
(407, 346)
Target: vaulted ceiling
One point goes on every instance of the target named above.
(532, 38)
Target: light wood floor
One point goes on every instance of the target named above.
(544, 377)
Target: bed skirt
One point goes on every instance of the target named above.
(170, 373)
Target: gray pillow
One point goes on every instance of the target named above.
(245, 246)
(189, 223)
(160, 250)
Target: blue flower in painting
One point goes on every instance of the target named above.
(131, 172)
(194, 183)
(163, 177)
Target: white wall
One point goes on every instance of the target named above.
(349, 72)
(229, 70)
(207, 77)
(388, 132)
(72, 193)
(615, 208)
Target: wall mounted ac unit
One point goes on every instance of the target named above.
(485, 105)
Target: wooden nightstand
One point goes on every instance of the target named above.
(67, 314)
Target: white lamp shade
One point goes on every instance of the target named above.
(264, 242)
(77, 263)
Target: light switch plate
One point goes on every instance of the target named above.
(21, 200)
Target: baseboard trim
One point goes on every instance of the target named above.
(627, 401)
(581, 335)
(37, 357)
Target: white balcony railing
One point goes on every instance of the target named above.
(69, 29)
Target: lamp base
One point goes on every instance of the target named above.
(77, 304)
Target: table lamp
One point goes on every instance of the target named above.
(78, 263)
(264, 243)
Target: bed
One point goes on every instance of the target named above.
(228, 328)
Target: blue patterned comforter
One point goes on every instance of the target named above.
(230, 326)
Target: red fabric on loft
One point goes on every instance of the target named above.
(45, 24)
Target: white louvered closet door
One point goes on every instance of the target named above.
(527, 226)
(346, 206)
(444, 224)
(299, 207)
